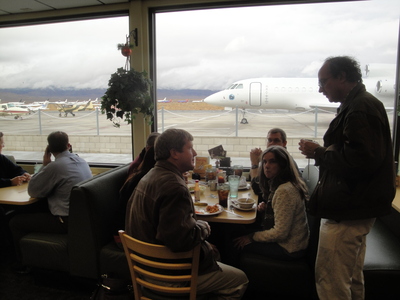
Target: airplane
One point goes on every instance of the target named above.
(164, 100)
(32, 107)
(12, 109)
(69, 108)
(35, 106)
(298, 94)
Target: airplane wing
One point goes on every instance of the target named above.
(330, 107)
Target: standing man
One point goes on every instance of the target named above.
(54, 181)
(161, 211)
(357, 179)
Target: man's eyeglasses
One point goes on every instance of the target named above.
(322, 82)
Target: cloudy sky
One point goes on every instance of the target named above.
(204, 49)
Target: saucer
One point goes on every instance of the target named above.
(235, 205)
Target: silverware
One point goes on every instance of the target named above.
(233, 213)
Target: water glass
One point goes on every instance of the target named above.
(234, 181)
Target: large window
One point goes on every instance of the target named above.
(201, 52)
(62, 68)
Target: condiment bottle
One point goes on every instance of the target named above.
(196, 191)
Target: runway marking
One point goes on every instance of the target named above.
(167, 126)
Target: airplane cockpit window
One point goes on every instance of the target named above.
(239, 86)
(233, 86)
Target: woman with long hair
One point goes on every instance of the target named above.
(129, 186)
(283, 233)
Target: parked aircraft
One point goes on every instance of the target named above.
(32, 107)
(299, 94)
(12, 109)
(164, 100)
(35, 106)
(69, 108)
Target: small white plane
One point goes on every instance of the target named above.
(13, 110)
(299, 94)
(164, 100)
(35, 106)
(32, 107)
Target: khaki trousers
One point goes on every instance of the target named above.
(227, 283)
(340, 259)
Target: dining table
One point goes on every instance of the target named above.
(16, 195)
(232, 213)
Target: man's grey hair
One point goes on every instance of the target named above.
(278, 130)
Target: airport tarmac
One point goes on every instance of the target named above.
(203, 125)
(199, 123)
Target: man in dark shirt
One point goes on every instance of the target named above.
(356, 180)
(10, 173)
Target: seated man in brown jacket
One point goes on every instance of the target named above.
(161, 211)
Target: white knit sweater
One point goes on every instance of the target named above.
(291, 228)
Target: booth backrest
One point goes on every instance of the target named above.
(93, 206)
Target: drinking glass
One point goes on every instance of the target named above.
(238, 170)
(234, 181)
(221, 177)
(211, 174)
(223, 194)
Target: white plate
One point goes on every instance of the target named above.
(202, 211)
(235, 205)
(244, 187)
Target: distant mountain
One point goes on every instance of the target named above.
(183, 94)
(53, 94)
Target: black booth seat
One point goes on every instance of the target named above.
(88, 250)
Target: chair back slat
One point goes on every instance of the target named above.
(157, 268)
(167, 266)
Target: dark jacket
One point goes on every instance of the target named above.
(8, 170)
(161, 211)
(357, 173)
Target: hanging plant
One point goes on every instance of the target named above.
(127, 95)
(126, 49)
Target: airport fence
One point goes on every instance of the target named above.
(91, 132)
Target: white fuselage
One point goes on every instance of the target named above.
(290, 93)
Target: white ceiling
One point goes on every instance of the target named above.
(11, 7)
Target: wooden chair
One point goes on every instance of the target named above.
(147, 261)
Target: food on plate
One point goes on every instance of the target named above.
(212, 208)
